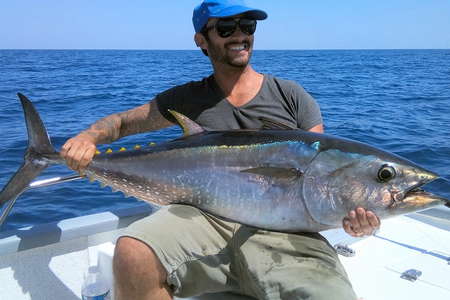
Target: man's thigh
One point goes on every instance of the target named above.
(292, 266)
(204, 254)
(191, 246)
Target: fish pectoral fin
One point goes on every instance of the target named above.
(275, 172)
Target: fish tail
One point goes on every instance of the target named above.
(37, 157)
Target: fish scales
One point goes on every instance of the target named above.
(208, 175)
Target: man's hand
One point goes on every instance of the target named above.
(360, 222)
(79, 151)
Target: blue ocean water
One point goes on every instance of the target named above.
(398, 100)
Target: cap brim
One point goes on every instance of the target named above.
(252, 13)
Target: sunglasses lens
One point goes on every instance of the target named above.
(226, 27)
(247, 26)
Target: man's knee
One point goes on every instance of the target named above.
(135, 259)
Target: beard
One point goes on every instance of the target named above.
(222, 54)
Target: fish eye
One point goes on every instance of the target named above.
(386, 173)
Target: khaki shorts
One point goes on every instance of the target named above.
(205, 254)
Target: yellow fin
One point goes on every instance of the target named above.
(109, 151)
(189, 127)
(137, 147)
(122, 149)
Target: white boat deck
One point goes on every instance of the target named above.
(402, 244)
(48, 262)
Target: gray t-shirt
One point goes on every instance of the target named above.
(280, 101)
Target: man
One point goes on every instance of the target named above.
(182, 251)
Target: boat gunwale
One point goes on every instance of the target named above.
(40, 235)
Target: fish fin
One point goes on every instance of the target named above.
(39, 145)
(276, 172)
(38, 139)
(271, 124)
(21, 180)
(189, 127)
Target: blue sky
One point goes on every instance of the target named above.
(292, 24)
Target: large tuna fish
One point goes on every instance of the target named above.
(276, 179)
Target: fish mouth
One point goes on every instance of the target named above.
(419, 198)
(416, 198)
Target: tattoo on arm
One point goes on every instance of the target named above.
(142, 119)
(105, 130)
(137, 120)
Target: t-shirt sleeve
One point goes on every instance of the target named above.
(308, 110)
(170, 99)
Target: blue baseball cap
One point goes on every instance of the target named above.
(222, 9)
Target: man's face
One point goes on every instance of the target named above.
(234, 50)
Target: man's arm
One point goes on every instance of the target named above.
(79, 150)
(358, 222)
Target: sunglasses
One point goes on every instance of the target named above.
(226, 27)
